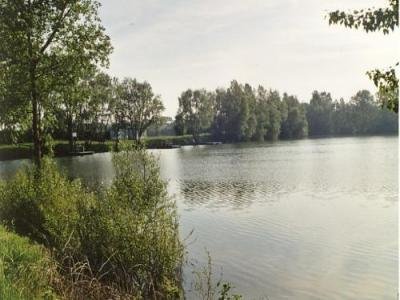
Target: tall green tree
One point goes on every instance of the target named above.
(14, 118)
(97, 111)
(364, 112)
(262, 114)
(251, 105)
(343, 118)
(295, 125)
(85, 108)
(319, 114)
(137, 106)
(278, 112)
(270, 112)
(233, 113)
(385, 20)
(45, 44)
(196, 111)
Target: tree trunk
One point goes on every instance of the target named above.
(36, 132)
(70, 138)
(196, 138)
(138, 135)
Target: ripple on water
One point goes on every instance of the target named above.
(309, 219)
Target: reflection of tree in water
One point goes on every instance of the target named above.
(234, 194)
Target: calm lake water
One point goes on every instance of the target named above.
(307, 219)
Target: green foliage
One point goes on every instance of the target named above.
(205, 286)
(371, 19)
(388, 87)
(125, 237)
(42, 204)
(319, 114)
(359, 116)
(26, 270)
(224, 293)
(242, 113)
(132, 233)
(136, 106)
(231, 113)
(85, 108)
(196, 112)
(165, 127)
(45, 45)
(295, 125)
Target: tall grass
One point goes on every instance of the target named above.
(207, 287)
(26, 270)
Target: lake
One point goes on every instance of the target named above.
(305, 219)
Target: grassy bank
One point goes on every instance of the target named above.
(61, 148)
(26, 270)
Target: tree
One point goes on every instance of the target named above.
(137, 106)
(45, 45)
(269, 114)
(249, 103)
(14, 118)
(319, 114)
(86, 108)
(97, 110)
(295, 125)
(165, 127)
(384, 20)
(234, 120)
(262, 114)
(278, 113)
(364, 112)
(196, 112)
(343, 118)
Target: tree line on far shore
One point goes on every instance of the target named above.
(243, 113)
(101, 105)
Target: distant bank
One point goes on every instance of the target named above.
(61, 148)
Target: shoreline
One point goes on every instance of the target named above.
(61, 148)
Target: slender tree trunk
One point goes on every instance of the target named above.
(36, 124)
(137, 135)
(70, 138)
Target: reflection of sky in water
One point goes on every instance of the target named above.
(310, 219)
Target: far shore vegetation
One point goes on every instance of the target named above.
(239, 113)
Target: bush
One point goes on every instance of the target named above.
(126, 238)
(26, 270)
(133, 231)
(44, 206)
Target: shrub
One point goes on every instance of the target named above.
(43, 205)
(123, 240)
(133, 231)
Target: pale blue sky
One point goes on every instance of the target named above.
(281, 44)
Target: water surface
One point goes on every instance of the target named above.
(307, 219)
